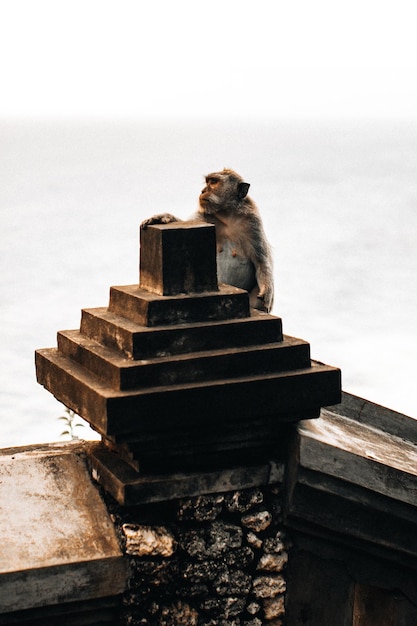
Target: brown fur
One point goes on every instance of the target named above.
(243, 253)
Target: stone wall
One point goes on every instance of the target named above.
(211, 560)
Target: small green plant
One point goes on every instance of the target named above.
(72, 422)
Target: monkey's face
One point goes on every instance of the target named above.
(211, 196)
(223, 192)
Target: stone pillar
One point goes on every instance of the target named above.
(187, 386)
(178, 258)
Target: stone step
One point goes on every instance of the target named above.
(129, 487)
(123, 373)
(142, 342)
(206, 432)
(144, 307)
(185, 447)
(204, 457)
(145, 448)
(114, 412)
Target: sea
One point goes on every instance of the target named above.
(338, 200)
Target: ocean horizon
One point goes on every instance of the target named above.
(338, 200)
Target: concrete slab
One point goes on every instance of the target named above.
(58, 543)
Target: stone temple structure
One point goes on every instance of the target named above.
(178, 374)
(234, 483)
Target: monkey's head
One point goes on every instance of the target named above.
(224, 191)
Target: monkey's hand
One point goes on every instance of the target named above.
(160, 218)
(265, 297)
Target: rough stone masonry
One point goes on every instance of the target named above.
(211, 560)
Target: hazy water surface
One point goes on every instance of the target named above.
(339, 203)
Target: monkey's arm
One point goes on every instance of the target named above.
(265, 295)
(160, 218)
(265, 280)
(262, 259)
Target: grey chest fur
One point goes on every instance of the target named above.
(234, 269)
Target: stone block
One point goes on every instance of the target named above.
(129, 487)
(203, 458)
(258, 521)
(186, 448)
(123, 373)
(283, 394)
(59, 544)
(148, 540)
(269, 586)
(178, 258)
(141, 342)
(149, 309)
(273, 562)
(274, 607)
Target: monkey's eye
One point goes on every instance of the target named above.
(212, 181)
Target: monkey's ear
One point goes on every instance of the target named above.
(242, 190)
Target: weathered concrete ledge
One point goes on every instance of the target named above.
(58, 542)
(357, 480)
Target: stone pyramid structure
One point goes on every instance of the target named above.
(177, 373)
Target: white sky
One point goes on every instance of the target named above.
(219, 58)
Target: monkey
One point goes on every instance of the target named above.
(244, 257)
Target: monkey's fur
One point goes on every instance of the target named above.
(244, 256)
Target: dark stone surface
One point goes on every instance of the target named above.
(319, 592)
(357, 482)
(143, 307)
(358, 588)
(213, 577)
(123, 373)
(141, 342)
(129, 487)
(178, 258)
(285, 395)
